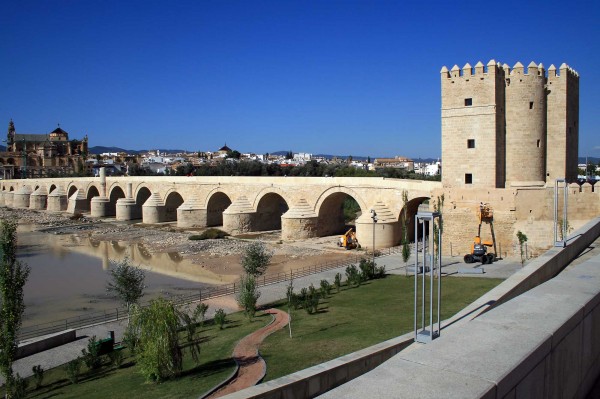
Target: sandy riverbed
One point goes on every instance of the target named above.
(221, 257)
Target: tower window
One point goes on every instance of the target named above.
(471, 143)
(531, 105)
(468, 102)
(538, 144)
(468, 178)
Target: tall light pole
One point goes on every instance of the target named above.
(374, 217)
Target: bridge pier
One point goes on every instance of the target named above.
(153, 210)
(385, 232)
(192, 213)
(21, 197)
(127, 209)
(238, 217)
(299, 222)
(77, 203)
(100, 207)
(39, 198)
(57, 200)
(8, 198)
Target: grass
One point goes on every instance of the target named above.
(126, 382)
(357, 318)
(347, 321)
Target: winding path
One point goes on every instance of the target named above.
(252, 367)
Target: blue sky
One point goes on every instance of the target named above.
(337, 77)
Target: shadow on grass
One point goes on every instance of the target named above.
(321, 330)
(208, 369)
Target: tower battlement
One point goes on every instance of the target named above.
(524, 119)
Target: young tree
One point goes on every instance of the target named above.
(405, 244)
(256, 259)
(522, 240)
(248, 295)
(156, 327)
(126, 282)
(13, 276)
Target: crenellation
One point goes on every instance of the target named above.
(467, 70)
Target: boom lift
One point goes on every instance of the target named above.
(348, 240)
(479, 248)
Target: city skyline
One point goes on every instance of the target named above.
(355, 78)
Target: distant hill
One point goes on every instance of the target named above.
(100, 150)
(593, 160)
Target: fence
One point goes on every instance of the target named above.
(116, 314)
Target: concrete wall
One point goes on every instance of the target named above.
(47, 342)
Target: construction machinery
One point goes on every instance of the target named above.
(479, 248)
(348, 240)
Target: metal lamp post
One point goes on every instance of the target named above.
(427, 331)
(374, 217)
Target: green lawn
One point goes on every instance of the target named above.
(127, 382)
(359, 317)
(347, 321)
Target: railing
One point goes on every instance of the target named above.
(116, 314)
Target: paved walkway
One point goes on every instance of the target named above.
(269, 294)
(252, 367)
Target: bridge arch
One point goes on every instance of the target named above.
(270, 205)
(412, 207)
(330, 210)
(72, 190)
(173, 200)
(51, 188)
(115, 193)
(92, 192)
(217, 202)
(142, 194)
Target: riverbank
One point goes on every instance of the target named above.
(221, 257)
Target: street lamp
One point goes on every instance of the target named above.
(374, 217)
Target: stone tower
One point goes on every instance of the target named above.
(562, 123)
(508, 128)
(473, 139)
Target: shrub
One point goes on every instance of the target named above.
(353, 275)
(293, 298)
(73, 369)
(220, 317)
(38, 375)
(325, 288)
(380, 271)
(367, 269)
(310, 299)
(248, 295)
(338, 281)
(209, 234)
(90, 355)
(200, 313)
(19, 387)
(116, 358)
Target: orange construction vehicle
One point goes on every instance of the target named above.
(479, 248)
(348, 240)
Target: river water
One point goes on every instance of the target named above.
(69, 274)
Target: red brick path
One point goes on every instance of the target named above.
(252, 366)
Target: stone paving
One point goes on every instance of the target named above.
(393, 263)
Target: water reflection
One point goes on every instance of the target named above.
(69, 274)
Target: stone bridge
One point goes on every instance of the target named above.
(301, 207)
